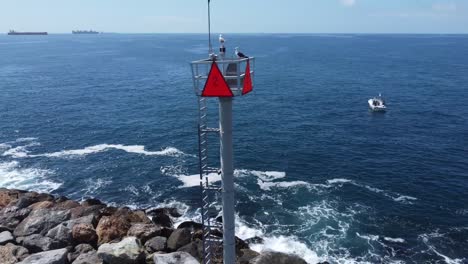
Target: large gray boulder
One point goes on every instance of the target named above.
(10, 217)
(179, 238)
(41, 221)
(270, 257)
(144, 231)
(175, 258)
(58, 256)
(194, 248)
(246, 255)
(37, 243)
(6, 237)
(88, 219)
(62, 234)
(88, 258)
(79, 249)
(10, 254)
(127, 251)
(156, 244)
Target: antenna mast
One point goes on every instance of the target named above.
(210, 47)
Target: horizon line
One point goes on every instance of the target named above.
(284, 33)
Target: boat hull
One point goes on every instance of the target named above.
(376, 108)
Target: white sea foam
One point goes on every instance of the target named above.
(93, 185)
(137, 149)
(287, 244)
(391, 195)
(266, 186)
(4, 145)
(267, 175)
(404, 198)
(25, 139)
(12, 175)
(368, 237)
(194, 180)
(395, 240)
(426, 240)
(22, 152)
(338, 180)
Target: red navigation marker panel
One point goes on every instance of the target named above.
(247, 80)
(216, 85)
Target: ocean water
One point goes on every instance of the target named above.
(317, 174)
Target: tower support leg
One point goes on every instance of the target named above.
(227, 174)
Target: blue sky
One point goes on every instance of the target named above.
(243, 16)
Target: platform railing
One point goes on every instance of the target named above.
(233, 71)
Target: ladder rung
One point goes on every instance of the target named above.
(210, 129)
(210, 239)
(212, 170)
(218, 189)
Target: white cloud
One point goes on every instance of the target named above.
(348, 2)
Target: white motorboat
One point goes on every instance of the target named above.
(377, 104)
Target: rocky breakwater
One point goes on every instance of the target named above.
(39, 228)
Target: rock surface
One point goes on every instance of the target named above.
(88, 258)
(61, 234)
(246, 256)
(156, 244)
(79, 249)
(84, 233)
(179, 238)
(58, 256)
(175, 258)
(110, 228)
(144, 231)
(10, 254)
(161, 217)
(127, 251)
(10, 217)
(6, 237)
(40, 222)
(194, 248)
(37, 243)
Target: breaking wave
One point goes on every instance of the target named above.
(16, 177)
(23, 152)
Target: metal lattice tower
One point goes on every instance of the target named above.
(211, 244)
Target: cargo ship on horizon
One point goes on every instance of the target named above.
(12, 32)
(92, 32)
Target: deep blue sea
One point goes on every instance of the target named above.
(115, 117)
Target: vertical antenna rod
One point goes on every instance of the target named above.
(210, 47)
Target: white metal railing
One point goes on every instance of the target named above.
(233, 71)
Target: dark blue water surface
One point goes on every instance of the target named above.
(317, 174)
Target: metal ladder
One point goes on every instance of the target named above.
(212, 245)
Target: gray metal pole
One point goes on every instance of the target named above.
(227, 174)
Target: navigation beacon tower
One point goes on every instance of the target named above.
(223, 78)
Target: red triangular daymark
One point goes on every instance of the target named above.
(216, 85)
(247, 80)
